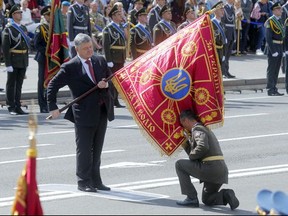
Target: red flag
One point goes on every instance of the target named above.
(183, 72)
(27, 200)
(57, 50)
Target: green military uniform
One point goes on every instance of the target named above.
(275, 35)
(15, 45)
(163, 29)
(141, 37)
(97, 26)
(114, 46)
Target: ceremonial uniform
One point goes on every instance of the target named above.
(78, 21)
(206, 163)
(275, 34)
(97, 26)
(132, 17)
(40, 44)
(154, 17)
(163, 29)
(141, 37)
(114, 46)
(229, 22)
(187, 10)
(15, 45)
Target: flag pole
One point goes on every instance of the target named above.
(81, 96)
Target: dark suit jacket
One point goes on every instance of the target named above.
(87, 111)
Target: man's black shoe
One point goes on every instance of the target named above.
(230, 75)
(102, 187)
(231, 199)
(86, 188)
(189, 202)
(1, 89)
(19, 111)
(119, 106)
(12, 111)
(275, 94)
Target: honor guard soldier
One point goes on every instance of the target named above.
(190, 15)
(40, 44)
(154, 14)
(275, 34)
(219, 35)
(114, 45)
(15, 49)
(78, 21)
(141, 37)
(229, 23)
(138, 5)
(165, 28)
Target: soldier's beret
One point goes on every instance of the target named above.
(142, 11)
(15, 8)
(139, 1)
(276, 5)
(46, 10)
(164, 9)
(264, 200)
(113, 10)
(280, 201)
(218, 5)
(187, 10)
(66, 3)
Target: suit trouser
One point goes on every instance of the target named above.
(89, 144)
(116, 67)
(14, 87)
(210, 193)
(42, 94)
(274, 64)
(227, 54)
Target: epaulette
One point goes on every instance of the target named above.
(8, 25)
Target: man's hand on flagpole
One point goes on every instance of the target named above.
(55, 113)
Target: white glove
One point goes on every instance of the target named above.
(110, 64)
(72, 43)
(286, 52)
(9, 69)
(223, 58)
(275, 54)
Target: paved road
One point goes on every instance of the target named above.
(253, 140)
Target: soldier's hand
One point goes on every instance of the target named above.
(9, 69)
(275, 54)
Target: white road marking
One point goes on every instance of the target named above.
(56, 157)
(254, 137)
(24, 146)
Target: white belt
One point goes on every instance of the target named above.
(80, 27)
(230, 25)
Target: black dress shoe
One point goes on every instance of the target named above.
(276, 93)
(102, 187)
(230, 75)
(19, 111)
(119, 106)
(12, 111)
(231, 199)
(87, 188)
(1, 89)
(189, 202)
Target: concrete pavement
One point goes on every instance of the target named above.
(250, 72)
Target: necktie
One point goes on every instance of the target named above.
(91, 70)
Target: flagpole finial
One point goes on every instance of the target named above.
(32, 123)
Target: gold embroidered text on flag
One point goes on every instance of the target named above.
(183, 72)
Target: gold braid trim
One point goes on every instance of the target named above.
(44, 32)
(274, 27)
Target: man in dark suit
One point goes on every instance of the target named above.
(141, 37)
(206, 163)
(114, 45)
(78, 21)
(90, 114)
(15, 45)
(275, 35)
(40, 43)
(165, 28)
